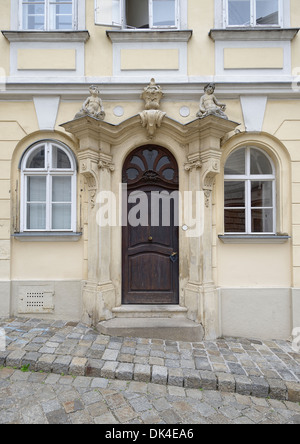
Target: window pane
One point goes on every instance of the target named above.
(36, 189)
(37, 159)
(262, 221)
(267, 12)
(164, 13)
(235, 221)
(261, 194)
(36, 216)
(61, 189)
(137, 13)
(239, 12)
(60, 160)
(61, 216)
(34, 14)
(260, 164)
(61, 14)
(236, 163)
(234, 194)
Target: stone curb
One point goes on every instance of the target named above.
(192, 379)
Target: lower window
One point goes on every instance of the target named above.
(250, 193)
(48, 188)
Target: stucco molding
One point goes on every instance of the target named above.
(46, 36)
(120, 36)
(254, 34)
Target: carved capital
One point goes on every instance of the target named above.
(194, 161)
(105, 163)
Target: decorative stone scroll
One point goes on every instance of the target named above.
(152, 117)
(210, 171)
(88, 168)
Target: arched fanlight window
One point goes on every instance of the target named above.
(48, 188)
(250, 192)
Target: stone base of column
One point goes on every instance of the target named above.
(202, 302)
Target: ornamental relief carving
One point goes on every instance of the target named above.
(88, 169)
(211, 169)
(152, 117)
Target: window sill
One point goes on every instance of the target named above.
(46, 36)
(51, 236)
(132, 36)
(254, 238)
(254, 34)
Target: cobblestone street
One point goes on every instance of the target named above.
(39, 398)
(59, 372)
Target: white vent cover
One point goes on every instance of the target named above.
(36, 299)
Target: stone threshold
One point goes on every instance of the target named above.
(173, 329)
(177, 377)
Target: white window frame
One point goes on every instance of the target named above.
(121, 23)
(47, 25)
(49, 173)
(253, 23)
(247, 178)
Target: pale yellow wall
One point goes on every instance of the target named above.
(33, 260)
(47, 260)
(45, 59)
(253, 58)
(295, 20)
(254, 265)
(98, 56)
(4, 45)
(201, 47)
(149, 59)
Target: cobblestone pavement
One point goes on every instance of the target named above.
(41, 398)
(269, 369)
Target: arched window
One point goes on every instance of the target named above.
(250, 193)
(48, 188)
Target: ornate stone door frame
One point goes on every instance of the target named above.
(102, 150)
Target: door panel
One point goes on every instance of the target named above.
(150, 253)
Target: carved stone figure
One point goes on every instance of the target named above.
(152, 117)
(209, 104)
(93, 105)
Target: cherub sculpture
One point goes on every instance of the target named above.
(93, 105)
(210, 105)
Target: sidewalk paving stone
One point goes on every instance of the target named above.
(234, 365)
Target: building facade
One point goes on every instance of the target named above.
(75, 165)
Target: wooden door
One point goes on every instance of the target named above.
(150, 249)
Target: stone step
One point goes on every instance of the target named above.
(171, 329)
(147, 311)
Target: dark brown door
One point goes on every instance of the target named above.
(150, 237)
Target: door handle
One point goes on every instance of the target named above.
(174, 257)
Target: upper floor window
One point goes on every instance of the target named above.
(48, 188)
(138, 14)
(250, 193)
(48, 15)
(253, 13)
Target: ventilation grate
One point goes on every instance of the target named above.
(35, 300)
